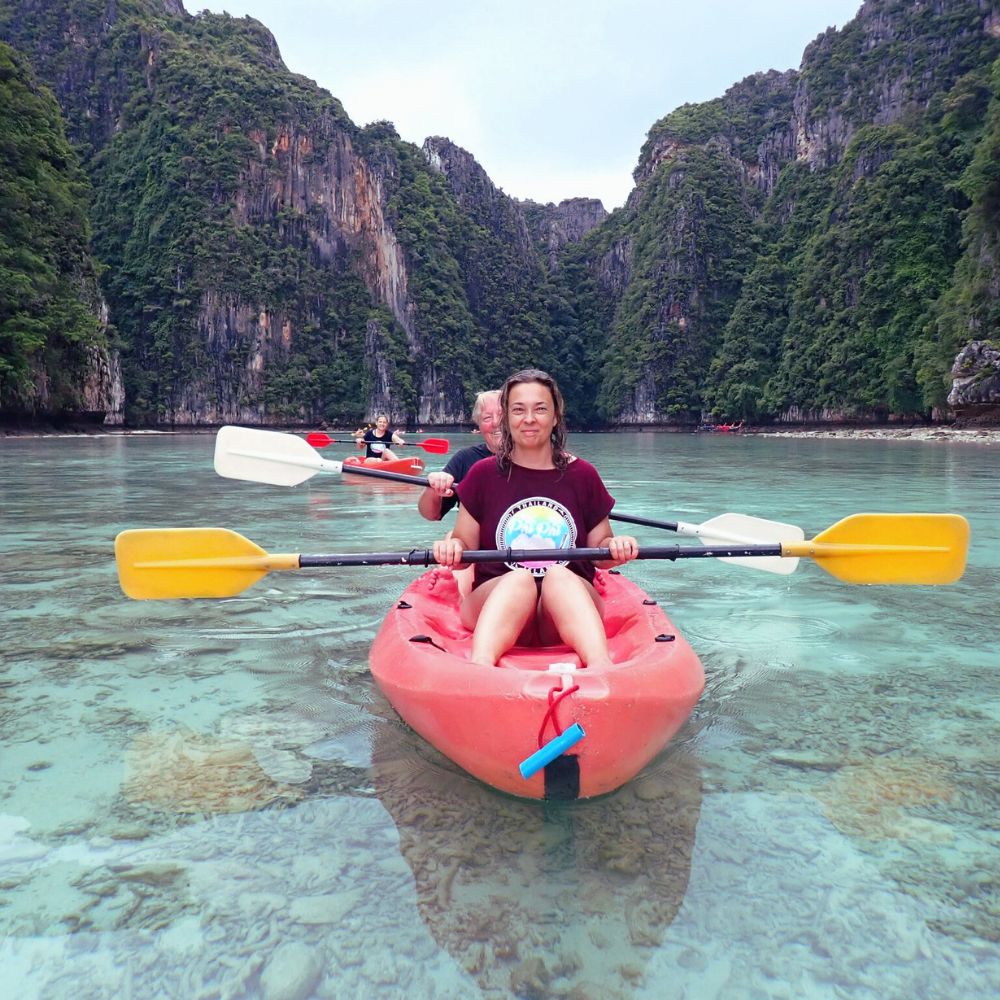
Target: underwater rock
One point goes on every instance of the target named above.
(873, 799)
(328, 909)
(292, 972)
(187, 772)
(976, 380)
(530, 979)
(14, 848)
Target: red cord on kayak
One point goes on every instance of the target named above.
(551, 713)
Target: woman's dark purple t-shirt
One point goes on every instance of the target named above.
(534, 509)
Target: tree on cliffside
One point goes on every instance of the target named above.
(970, 309)
(47, 277)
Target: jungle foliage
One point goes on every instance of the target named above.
(756, 272)
(48, 291)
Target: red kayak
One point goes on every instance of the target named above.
(408, 466)
(490, 720)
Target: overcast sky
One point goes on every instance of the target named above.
(554, 98)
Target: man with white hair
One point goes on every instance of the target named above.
(438, 498)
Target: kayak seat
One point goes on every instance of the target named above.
(435, 609)
(538, 657)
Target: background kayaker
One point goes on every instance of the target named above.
(376, 440)
(534, 494)
(439, 497)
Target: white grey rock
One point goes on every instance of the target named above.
(292, 972)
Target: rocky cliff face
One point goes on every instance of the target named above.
(555, 227)
(408, 271)
(975, 393)
(317, 175)
(103, 393)
(852, 77)
(885, 67)
(55, 359)
(477, 194)
(309, 171)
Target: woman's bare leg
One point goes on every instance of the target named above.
(571, 611)
(497, 612)
(388, 455)
(464, 578)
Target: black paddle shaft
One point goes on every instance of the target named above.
(399, 477)
(647, 521)
(425, 557)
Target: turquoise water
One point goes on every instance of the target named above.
(211, 799)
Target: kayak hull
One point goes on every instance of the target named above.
(407, 466)
(490, 719)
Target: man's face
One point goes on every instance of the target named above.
(489, 424)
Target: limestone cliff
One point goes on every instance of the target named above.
(555, 227)
(768, 162)
(283, 176)
(477, 194)
(785, 255)
(975, 393)
(56, 362)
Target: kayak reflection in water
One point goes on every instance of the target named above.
(534, 488)
(616, 871)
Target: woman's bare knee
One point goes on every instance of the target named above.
(517, 586)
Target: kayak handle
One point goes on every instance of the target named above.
(554, 748)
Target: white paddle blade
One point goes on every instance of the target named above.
(745, 530)
(267, 457)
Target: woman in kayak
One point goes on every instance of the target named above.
(534, 494)
(376, 440)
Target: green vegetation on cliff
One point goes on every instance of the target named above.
(814, 242)
(48, 295)
(835, 316)
(691, 230)
(970, 308)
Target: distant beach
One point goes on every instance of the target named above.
(953, 435)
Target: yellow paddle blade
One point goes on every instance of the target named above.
(164, 563)
(890, 548)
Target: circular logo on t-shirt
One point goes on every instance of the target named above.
(536, 523)
(377, 448)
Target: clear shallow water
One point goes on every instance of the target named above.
(211, 799)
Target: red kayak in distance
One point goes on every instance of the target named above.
(723, 428)
(407, 466)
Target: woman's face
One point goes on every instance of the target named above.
(381, 424)
(531, 414)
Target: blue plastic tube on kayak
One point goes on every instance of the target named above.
(548, 753)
